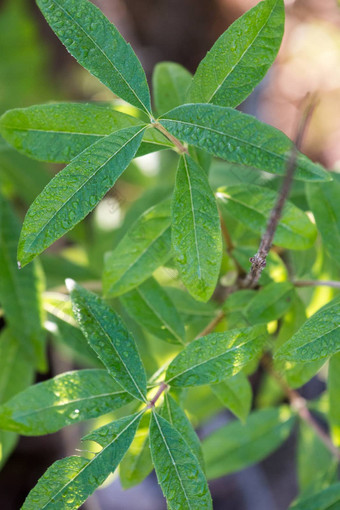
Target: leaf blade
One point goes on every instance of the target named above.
(170, 84)
(235, 393)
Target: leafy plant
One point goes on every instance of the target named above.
(215, 335)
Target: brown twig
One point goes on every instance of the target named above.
(162, 387)
(259, 260)
(212, 325)
(317, 283)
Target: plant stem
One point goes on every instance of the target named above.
(163, 386)
(317, 283)
(179, 146)
(211, 326)
(259, 260)
(299, 404)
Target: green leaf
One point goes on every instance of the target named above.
(170, 84)
(98, 46)
(240, 57)
(109, 338)
(215, 357)
(64, 400)
(175, 415)
(251, 205)
(150, 306)
(178, 471)
(317, 339)
(270, 303)
(20, 291)
(75, 191)
(145, 247)
(70, 481)
(237, 446)
(324, 203)
(196, 230)
(334, 398)
(315, 465)
(238, 138)
(328, 499)
(59, 132)
(235, 393)
(137, 463)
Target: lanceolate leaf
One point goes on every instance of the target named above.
(137, 463)
(328, 499)
(270, 303)
(170, 84)
(251, 205)
(196, 230)
(19, 291)
(109, 338)
(334, 397)
(59, 132)
(68, 398)
(235, 393)
(238, 138)
(317, 339)
(152, 308)
(75, 191)
(145, 247)
(70, 481)
(240, 57)
(236, 446)
(98, 46)
(178, 470)
(324, 202)
(175, 415)
(212, 358)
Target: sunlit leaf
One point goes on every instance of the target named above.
(235, 393)
(334, 397)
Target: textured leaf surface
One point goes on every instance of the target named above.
(214, 357)
(235, 393)
(334, 397)
(196, 230)
(270, 303)
(236, 446)
(145, 247)
(109, 338)
(59, 132)
(175, 415)
(240, 57)
(152, 308)
(19, 290)
(251, 205)
(98, 46)
(76, 190)
(324, 202)
(170, 84)
(137, 463)
(328, 499)
(178, 471)
(70, 481)
(318, 338)
(238, 138)
(66, 399)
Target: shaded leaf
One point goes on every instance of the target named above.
(317, 339)
(238, 138)
(240, 57)
(215, 357)
(251, 205)
(178, 471)
(334, 397)
(70, 481)
(196, 230)
(270, 303)
(98, 46)
(76, 190)
(235, 393)
(64, 400)
(170, 84)
(144, 247)
(150, 306)
(328, 499)
(109, 338)
(236, 446)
